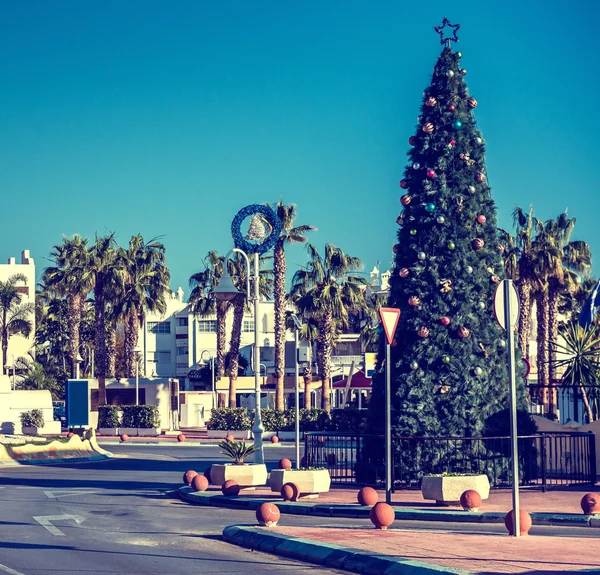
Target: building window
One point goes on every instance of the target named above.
(161, 357)
(159, 327)
(207, 325)
(248, 325)
(182, 321)
(182, 351)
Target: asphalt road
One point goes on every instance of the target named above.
(118, 516)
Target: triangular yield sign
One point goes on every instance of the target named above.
(389, 318)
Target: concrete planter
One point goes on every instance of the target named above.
(108, 431)
(310, 482)
(446, 490)
(218, 434)
(248, 475)
(139, 431)
(288, 435)
(26, 430)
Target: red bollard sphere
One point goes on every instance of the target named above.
(229, 437)
(590, 503)
(470, 500)
(367, 496)
(230, 488)
(284, 464)
(290, 492)
(199, 483)
(382, 515)
(70, 434)
(268, 515)
(181, 438)
(274, 439)
(524, 522)
(188, 476)
(124, 437)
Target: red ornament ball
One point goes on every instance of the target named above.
(382, 515)
(284, 464)
(412, 140)
(414, 301)
(431, 174)
(290, 492)
(481, 219)
(477, 243)
(199, 483)
(405, 200)
(480, 177)
(452, 107)
(524, 522)
(268, 515)
(367, 496)
(472, 103)
(124, 437)
(423, 331)
(428, 128)
(470, 500)
(445, 320)
(274, 439)
(181, 438)
(590, 503)
(230, 488)
(188, 476)
(404, 273)
(403, 184)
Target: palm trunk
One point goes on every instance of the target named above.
(221, 337)
(279, 270)
(542, 337)
(74, 321)
(586, 403)
(307, 376)
(524, 317)
(326, 337)
(111, 349)
(4, 341)
(132, 326)
(100, 341)
(553, 297)
(234, 349)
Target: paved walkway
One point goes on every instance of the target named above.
(472, 552)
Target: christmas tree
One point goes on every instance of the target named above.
(450, 357)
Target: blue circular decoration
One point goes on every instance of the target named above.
(253, 247)
(430, 207)
(457, 124)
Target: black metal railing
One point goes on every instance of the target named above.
(563, 403)
(545, 460)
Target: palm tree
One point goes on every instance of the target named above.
(146, 281)
(15, 316)
(103, 266)
(581, 360)
(69, 279)
(327, 291)
(203, 304)
(290, 234)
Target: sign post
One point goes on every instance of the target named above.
(389, 319)
(506, 308)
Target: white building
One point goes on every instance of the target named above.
(19, 346)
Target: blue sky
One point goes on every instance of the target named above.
(165, 118)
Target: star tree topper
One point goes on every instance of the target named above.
(450, 38)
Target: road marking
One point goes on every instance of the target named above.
(44, 521)
(68, 493)
(9, 570)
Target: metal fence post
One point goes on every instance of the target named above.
(593, 463)
(544, 456)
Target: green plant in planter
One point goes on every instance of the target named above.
(237, 450)
(33, 418)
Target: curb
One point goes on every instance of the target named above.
(177, 444)
(329, 554)
(402, 513)
(59, 461)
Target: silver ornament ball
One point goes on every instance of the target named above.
(472, 189)
(502, 343)
(450, 73)
(469, 269)
(481, 305)
(421, 255)
(416, 166)
(478, 371)
(440, 219)
(414, 365)
(479, 140)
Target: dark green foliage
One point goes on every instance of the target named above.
(237, 450)
(142, 416)
(273, 420)
(438, 398)
(498, 425)
(109, 416)
(33, 418)
(229, 419)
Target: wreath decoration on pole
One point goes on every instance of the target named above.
(269, 216)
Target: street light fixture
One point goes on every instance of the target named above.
(78, 361)
(137, 351)
(297, 328)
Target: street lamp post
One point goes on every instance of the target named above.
(297, 327)
(212, 373)
(136, 353)
(78, 361)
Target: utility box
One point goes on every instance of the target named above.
(303, 354)
(78, 403)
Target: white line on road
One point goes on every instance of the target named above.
(9, 570)
(68, 493)
(44, 521)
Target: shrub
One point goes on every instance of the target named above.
(314, 420)
(273, 420)
(348, 419)
(237, 451)
(141, 416)
(229, 419)
(33, 418)
(109, 416)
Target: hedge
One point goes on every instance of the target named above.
(229, 419)
(137, 416)
(109, 416)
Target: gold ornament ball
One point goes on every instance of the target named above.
(428, 128)
(472, 103)
(480, 177)
(431, 101)
(477, 243)
(404, 272)
(414, 301)
(423, 331)
(405, 200)
(464, 332)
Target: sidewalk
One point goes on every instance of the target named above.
(396, 552)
